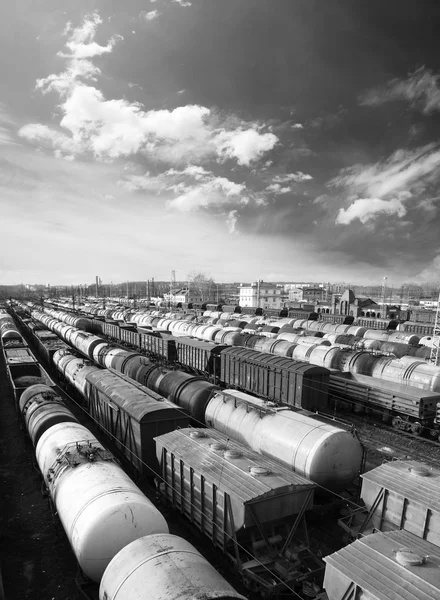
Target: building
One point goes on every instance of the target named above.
(264, 295)
(313, 294)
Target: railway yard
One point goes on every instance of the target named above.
(122, 427)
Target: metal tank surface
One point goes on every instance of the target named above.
(328, 455)
(41, 408)
(163, 567)
(409, 371)
(100, 507)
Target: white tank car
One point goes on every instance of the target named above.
(328, 455)
(100, 507)
(163, 567)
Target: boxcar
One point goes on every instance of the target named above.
(275, 378)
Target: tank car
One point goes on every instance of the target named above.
(327, 455)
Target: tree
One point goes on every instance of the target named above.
(201, 286)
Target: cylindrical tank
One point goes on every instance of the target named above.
(356, 330)
(323, 356)
(112, 353)
(189, 392)
(132, 364)
(340, 338)
(163, 567)
(279, 347)
(408, 370)
(427, 340)
(404, 338)
(302, 352)
(377, 334)
(100, 507)
(358, 362)
(325, 454)
(42, 408)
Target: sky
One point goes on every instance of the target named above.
(282, 140)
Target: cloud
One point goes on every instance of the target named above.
(81, 42)
(421, 89)
(390, 186)
(296, 177)
(113, 128)
(231, 221)
(277, 189)
(367, 209)
(432, 272)
(405, 172)
(182, 2)
(151, 15)
(244, 145)
(181, 91)
(297, 126)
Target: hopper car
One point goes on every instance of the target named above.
(396, 565)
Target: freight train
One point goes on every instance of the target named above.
(194, 394)
(403, 392)
(342, 575)
(263, 519)
(116, 533)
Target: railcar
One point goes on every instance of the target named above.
(248, 505)
(328, 455)
(411, 410)
(398, 495)
(421, 329)
(395, 564)
(275, 378)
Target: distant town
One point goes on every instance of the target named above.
(199, 288)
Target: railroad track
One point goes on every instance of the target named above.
(385, 441)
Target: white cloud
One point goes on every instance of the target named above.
(81, 43)
(181, 91)
(290, 177)
(367, 209)
(277, 189)
(231, 221)
(183, 2)
(112, 128)
(421, 89)
(405, 172)
(244, 145)
(151, 15)
(297, 126)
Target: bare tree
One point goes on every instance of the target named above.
(201, 285)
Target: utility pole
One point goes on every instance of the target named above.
(435, 351)
(383, 308)
(73, 297)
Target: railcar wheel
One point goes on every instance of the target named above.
(416, 428)
(396, 422)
